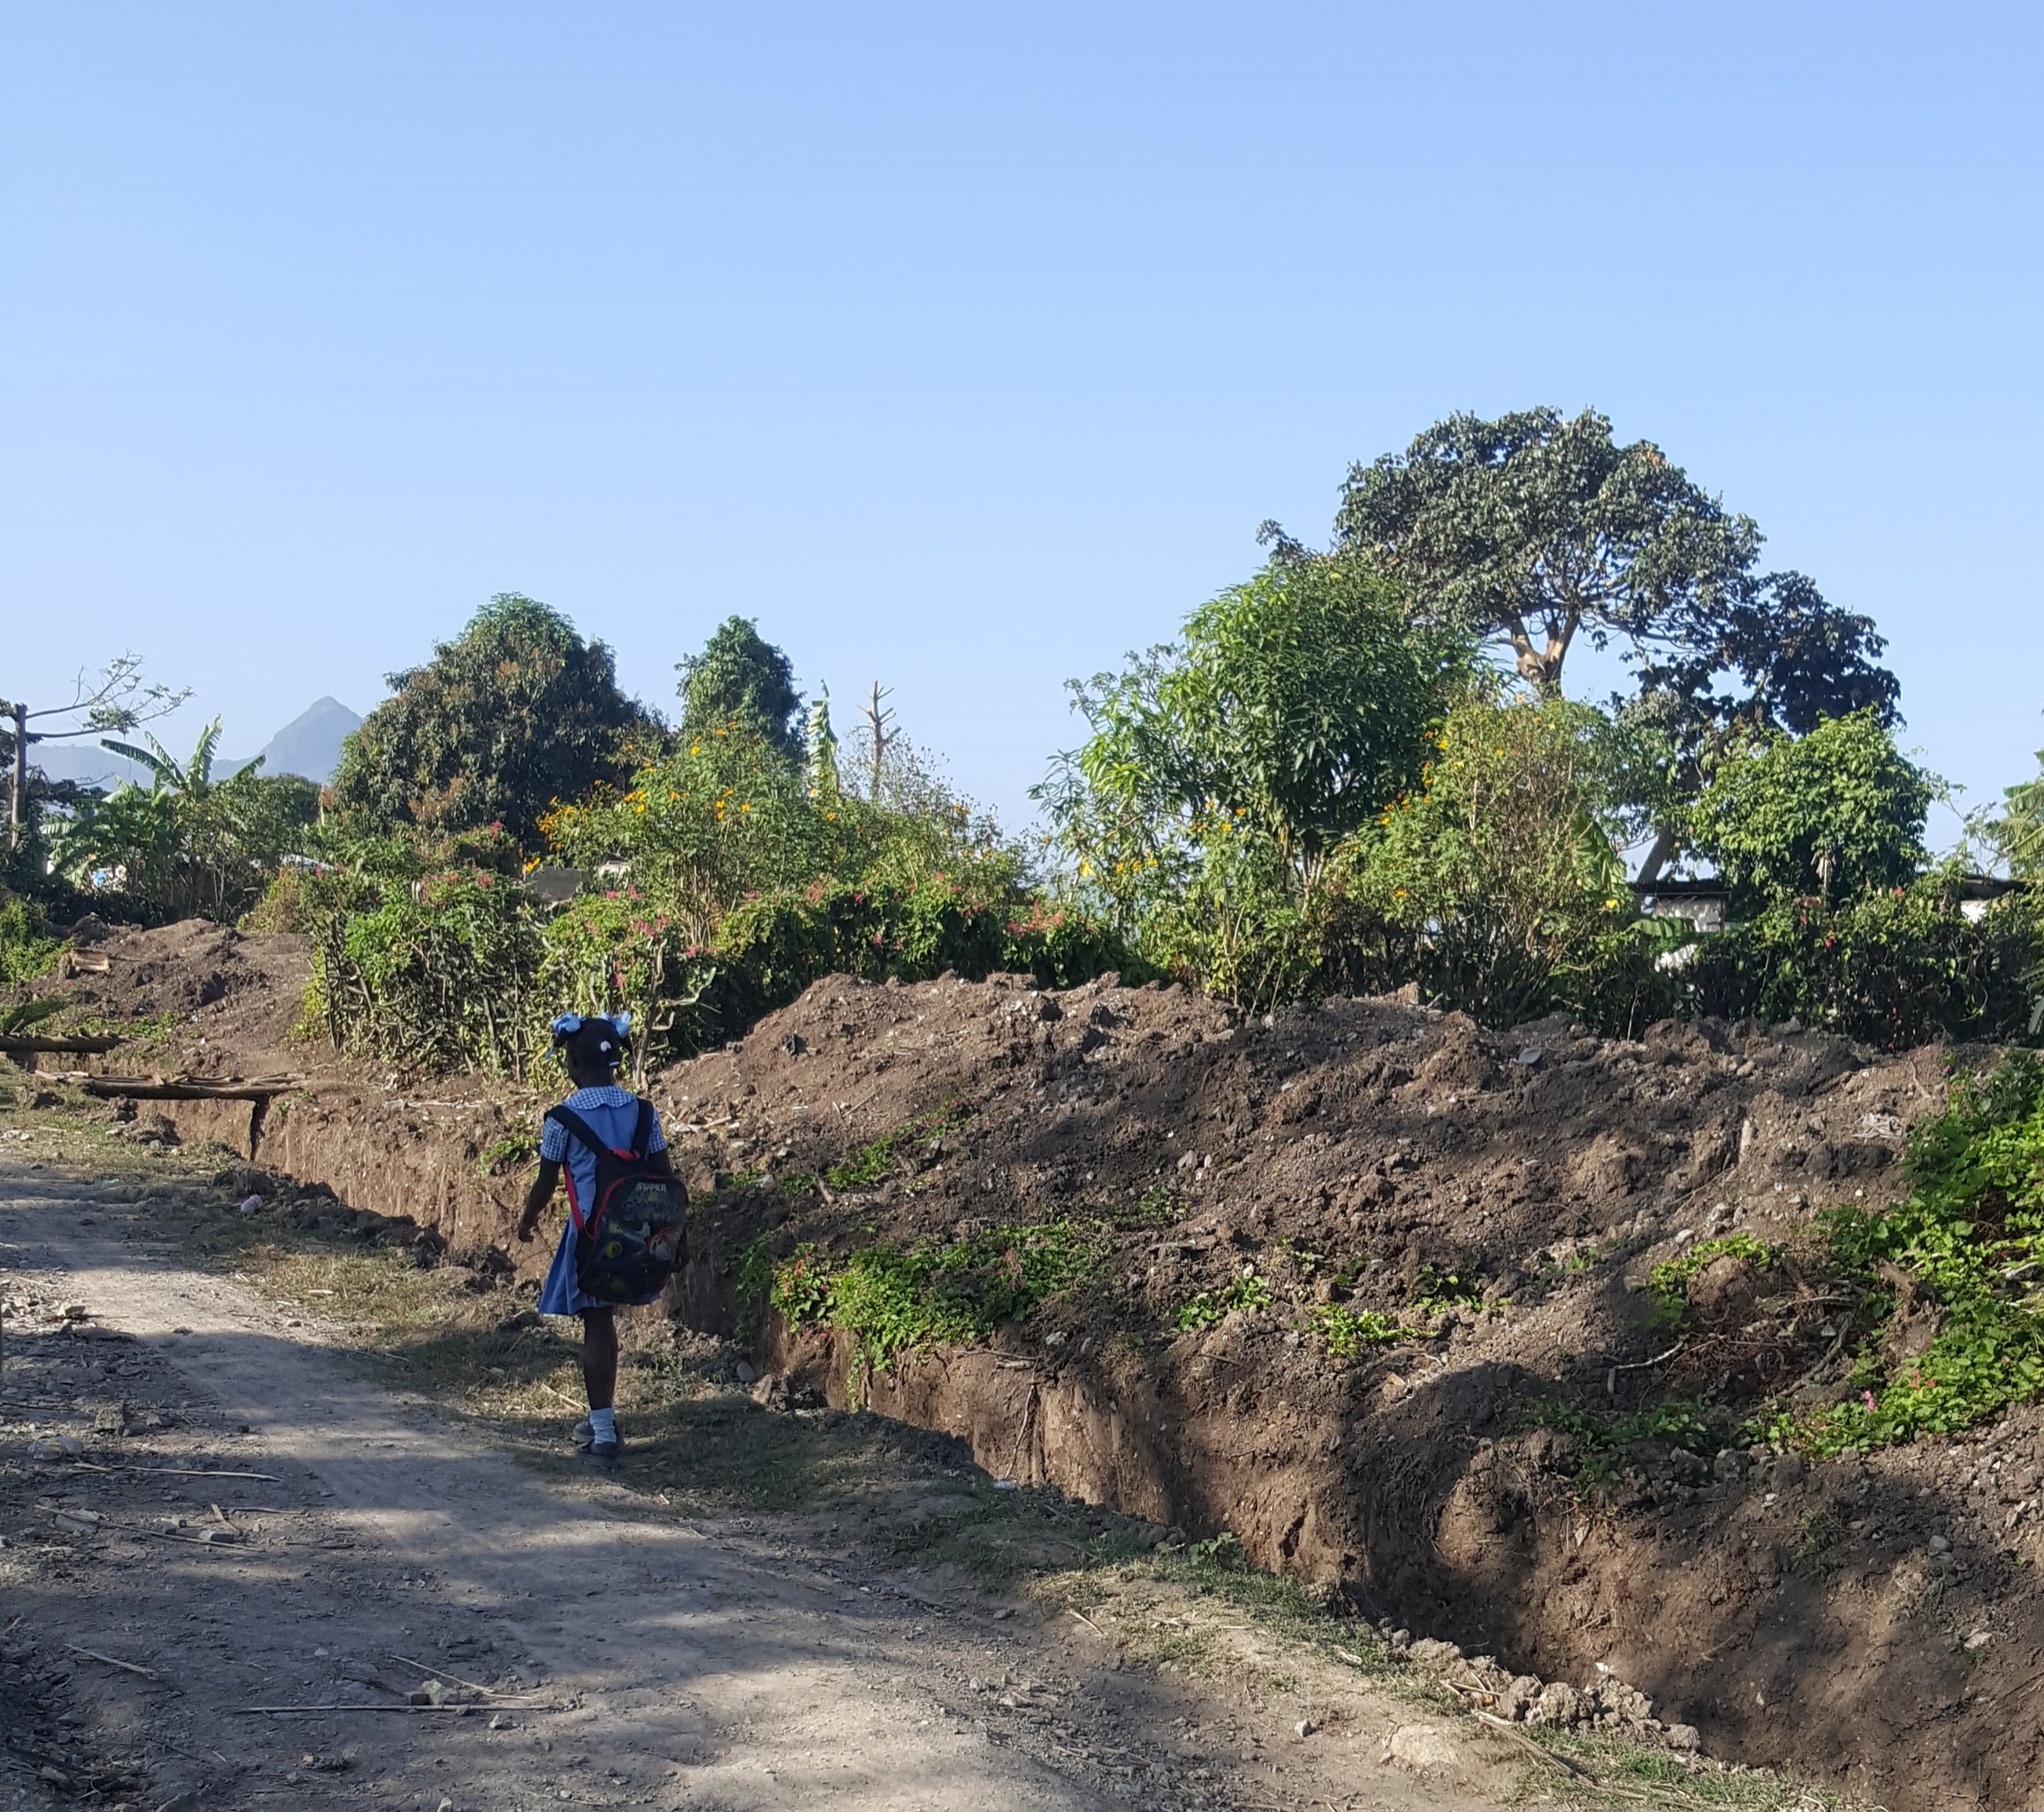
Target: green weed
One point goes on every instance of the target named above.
(873, 1162)
(1210, 1306)
(1606, 1439)
(1668, 1283)
(1970, 1238)
(514, 1150)
(1436, 1292)
(1348, 1331)
(893, 1301)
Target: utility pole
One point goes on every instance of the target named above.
(877, 722)
(17, 793)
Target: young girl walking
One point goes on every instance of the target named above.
(597, 1114)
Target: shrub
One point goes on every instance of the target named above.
(27, 950)
(1831, 815)
(1896, 968)
(1500, 868)
(438, 975)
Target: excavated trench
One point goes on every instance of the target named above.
(1869, 1620)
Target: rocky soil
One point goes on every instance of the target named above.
(1871, 1620)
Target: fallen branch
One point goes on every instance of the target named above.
(179, 1472)
(437, 1673)
(1658, 1358)
(331, 1710)
(1089, 1622)
(25, 1044)
(124, 1666)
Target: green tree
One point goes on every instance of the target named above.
(1500, 871)
(2018, 835)
(1536, 529)
(1221, 775)
(742, 679)
(514, 715)
(1828, 816)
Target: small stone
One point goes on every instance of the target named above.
(1940, 1544)
(74, 1312)
(1423, 1746)
(1979, 1640)
(1684, 1737)
(746, 1374)
(1531, 1056)
(431, 1693)
(249, 1204)
(445, 1805)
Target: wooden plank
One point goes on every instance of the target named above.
(190, 1088)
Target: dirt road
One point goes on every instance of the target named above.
(607, 1652)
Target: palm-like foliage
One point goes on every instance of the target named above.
(192, 778)
(185, 844)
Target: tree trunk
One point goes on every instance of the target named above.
(1658, 858)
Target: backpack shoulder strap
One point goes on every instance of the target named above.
(577, 1128)
(642, 1132)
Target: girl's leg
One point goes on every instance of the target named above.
(600, 1356)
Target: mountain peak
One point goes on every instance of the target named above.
(310, 744)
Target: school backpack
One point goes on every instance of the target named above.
(628, 1239)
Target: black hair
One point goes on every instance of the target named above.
(596, 1044)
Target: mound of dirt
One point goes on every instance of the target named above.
(1370, 1289)
(1505, 1196)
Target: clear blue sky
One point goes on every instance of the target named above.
(966, 347)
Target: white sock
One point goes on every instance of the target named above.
(603, 1425)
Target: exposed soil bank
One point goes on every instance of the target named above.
(1874, 1621)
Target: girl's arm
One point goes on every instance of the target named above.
(537, 1197)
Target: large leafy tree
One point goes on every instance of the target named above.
(517, 713)
(1538, 529)
(741, 681)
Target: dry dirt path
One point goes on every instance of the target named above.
(636, 1658)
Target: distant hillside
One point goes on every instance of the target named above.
(85, 762)
(309, 744)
